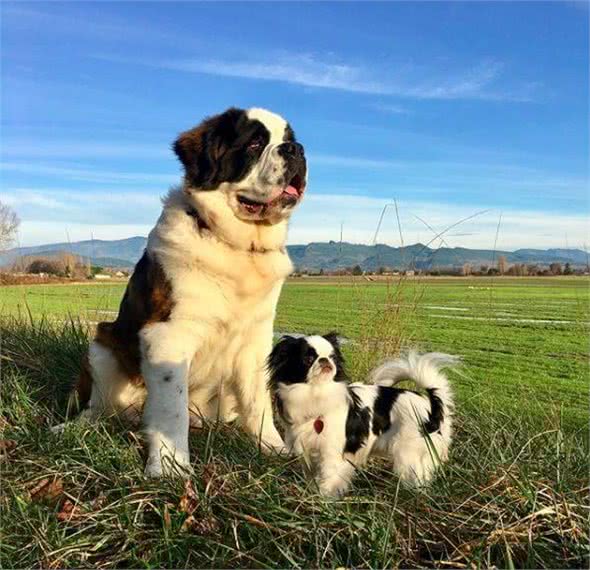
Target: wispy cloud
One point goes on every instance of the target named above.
(390, 108)
(48, 213)
(56, 199)
(89, 175)
(477, 82)
(321, 215)
(352, 161)
(19, 148)
(59, 208)
(20, 198)
(497, 177)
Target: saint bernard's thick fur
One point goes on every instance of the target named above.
(195, 326)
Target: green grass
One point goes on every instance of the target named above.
(522, 340)
(513, 494)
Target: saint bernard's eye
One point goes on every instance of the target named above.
(255, 144)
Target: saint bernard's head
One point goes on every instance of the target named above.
(250, 156)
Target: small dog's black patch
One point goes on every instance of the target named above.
(357, 424)
(436, 415)
(382, 408)
(290, 361)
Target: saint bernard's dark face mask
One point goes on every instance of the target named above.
(252, 156)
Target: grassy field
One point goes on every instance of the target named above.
(512, 495)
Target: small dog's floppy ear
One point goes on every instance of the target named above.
(201, 148)
(277, 360)
(333, 339)
(285, 339)
(281, 347)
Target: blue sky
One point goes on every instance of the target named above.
(448, 108)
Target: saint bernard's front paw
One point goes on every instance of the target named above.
(168, 465)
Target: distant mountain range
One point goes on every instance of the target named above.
(332, 255)
(121, 253)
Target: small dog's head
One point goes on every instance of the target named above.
(310, 359)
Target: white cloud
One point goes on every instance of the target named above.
(301, 70)
(353, 161)
(68, 199)
(23, 197)
(21, 148)
(390, 108)
(416, 81)
(320, 216)
(47, 215)
(308, 70)
(89, 175)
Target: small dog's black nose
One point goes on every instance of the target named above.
(325, 363)
(293, 149)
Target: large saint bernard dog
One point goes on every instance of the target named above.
(195, 326)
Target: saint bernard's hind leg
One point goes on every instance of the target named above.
(213, 403)
(110, 390)
(113, 393)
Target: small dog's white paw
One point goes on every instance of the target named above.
(58, 429)
(274, 446)
(334, 488)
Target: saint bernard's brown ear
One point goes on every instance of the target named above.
(200, 149)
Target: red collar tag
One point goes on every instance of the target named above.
(318, 425)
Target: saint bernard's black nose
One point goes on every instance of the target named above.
(291, 150)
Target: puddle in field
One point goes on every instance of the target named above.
(500, 316)
(440, 308)
(529, 321)
(100, 311)
(345, 340)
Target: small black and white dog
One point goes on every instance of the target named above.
(336, 426)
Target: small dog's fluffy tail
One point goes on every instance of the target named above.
(423, 369)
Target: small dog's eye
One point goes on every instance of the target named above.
(309, 359)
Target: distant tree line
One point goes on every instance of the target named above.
(64, 265)
(502, 267)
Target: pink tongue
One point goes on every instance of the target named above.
(291, 190)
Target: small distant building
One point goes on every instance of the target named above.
(102, 276)
(410, 273)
